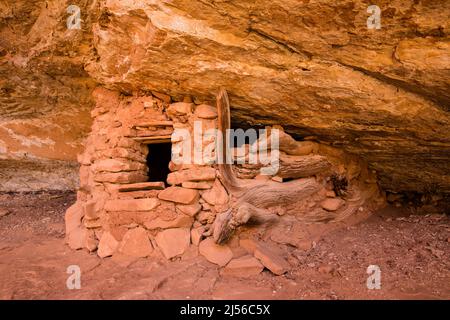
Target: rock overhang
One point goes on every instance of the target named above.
(368, 92)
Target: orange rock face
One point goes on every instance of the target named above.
(382, 94)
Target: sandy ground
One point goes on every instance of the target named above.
(412, 252)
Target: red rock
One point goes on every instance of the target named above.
(141, 186)
(216, 195)
(180, 109)
(91, 242)
(190, 253)
(73, 217)
(91, 209)
(179, 195)
(132, 205)
(138, 194)
(197, 234)
(122, 153)
(3, 212)
(330, 194)
(218, 254)
(121, 177)
(196, 185)
(206, 217)
(135, 243)
(325, 269)
(277, 179)
(76, 238)
(244, 267)
(92, 223)
(164, 97)
(114, 165)
(262, 177)
(195, 174)
(271, 260)
(332, 204)
(304, 245)
(241, 291)
(190, 209)
(238, 252)
(107, 245)
(205, 111)
(173, 242)
(181, 221)
(85, 178)
(248, 244)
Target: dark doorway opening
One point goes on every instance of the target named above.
(158, 158)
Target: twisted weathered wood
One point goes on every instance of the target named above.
(253, 197)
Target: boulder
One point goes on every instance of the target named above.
(73, 217)
(179, 195)
(244, 267)
(271, 260)
(332, 204)
(173, 242)
(76, 239)
(197, 235)
(135, 243)
(107, 245)
(217, 195)
(205, 111)
(180, 109)
(190, 209)
(218, 254)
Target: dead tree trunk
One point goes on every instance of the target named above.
(252, 198)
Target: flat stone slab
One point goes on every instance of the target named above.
(132, 205)
(196, 185)
(205, 111)
(189, 209)
(332, 204)
(181, 221)
(135, 243)
(107, 245)
(173, 242)
(179, 195)
(142, 186)
(243, 267)
(195, 174)
(271, 260)
(218, 254)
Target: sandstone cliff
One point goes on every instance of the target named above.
(312, 66)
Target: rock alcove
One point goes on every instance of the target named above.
(135, 199)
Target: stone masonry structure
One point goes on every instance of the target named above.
(122, 209)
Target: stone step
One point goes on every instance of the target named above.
(159, 185)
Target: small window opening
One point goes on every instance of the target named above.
(158, 159)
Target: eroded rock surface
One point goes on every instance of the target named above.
(312, 66)
(45, 94)
(383, 94)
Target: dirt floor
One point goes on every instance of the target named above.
(412, 251)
